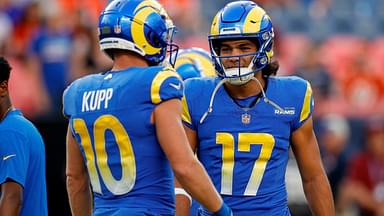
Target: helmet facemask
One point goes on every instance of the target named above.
(242, 20)
(172, 49)
(242, 74)
(238, 75)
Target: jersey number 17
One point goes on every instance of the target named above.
(245, 140)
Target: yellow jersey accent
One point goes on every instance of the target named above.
(185, 113)
(158, 81)
(307, 103)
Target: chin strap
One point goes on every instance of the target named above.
(265, 98)
(210, 109)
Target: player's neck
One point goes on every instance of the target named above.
(5, 107)
(126, 60)
(251, 88)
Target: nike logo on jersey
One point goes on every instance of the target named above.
(92, 100)
(109, 76)
(178, 86)
(8, 156)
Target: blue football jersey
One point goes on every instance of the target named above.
(245, 151)
(23, 161)
(110, 117)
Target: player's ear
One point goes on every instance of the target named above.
(4, 88)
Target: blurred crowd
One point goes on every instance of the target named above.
(338, 45)
(49, 44)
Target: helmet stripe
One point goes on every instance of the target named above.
(253, 20)
(215, 25)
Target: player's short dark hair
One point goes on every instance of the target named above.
(5, 69)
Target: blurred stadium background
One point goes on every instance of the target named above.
(338, 45)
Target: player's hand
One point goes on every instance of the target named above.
(224, 211)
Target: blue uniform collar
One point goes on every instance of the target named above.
(12, 111)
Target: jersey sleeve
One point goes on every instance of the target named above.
(14, 159)
(166, 85)
(187, 104)
(186, 116)
(306, 105)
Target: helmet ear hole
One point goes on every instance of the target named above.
(153, 39)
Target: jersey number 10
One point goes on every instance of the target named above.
(98, 160)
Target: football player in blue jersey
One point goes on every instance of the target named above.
(192, 62)
(125, 133)
(243, 123)
(22, 158)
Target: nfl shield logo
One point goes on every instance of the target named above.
(246, 118)
(117, 29)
